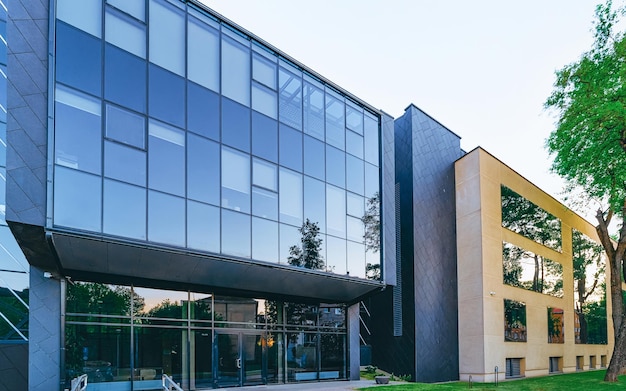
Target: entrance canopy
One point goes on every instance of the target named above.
(99, 259)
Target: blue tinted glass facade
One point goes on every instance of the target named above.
(165, 115)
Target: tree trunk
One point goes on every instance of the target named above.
(615, 255)
(616, 366)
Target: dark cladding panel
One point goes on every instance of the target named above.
(27, 96)
(435, 149)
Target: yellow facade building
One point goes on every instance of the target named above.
(531, 276)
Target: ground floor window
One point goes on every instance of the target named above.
(580, 362)
(556, 364)
(133, 335)
(514, 367)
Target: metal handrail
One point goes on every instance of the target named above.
(79, 383)
(169, 384)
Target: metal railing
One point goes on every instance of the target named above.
(169, 384)
(79, 383)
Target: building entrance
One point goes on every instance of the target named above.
(240, 359)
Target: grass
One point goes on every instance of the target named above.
(581, 381)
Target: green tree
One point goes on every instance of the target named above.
(589, 147)
(371, 237)
(309, 253)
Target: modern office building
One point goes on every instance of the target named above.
(184, 199)
(190, 200)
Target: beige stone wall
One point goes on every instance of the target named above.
(481, 289)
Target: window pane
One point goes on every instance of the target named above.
(335, 211)
(264, 240)
(235, 180)
(235, 125)
(125, 126)
(315, 202)
(354, 174)
(167, 96)
(355, 229)
(203, 54)
(264, 174)
(124, 163)
(203, 227)
(166, 219)
(356, 206)
(356, 259)
(264, 71)
(314, 111)
(235, 234)
(371, 140)
(167, 36)
(264, 203)
(264, 137)
(77, 209)
(290, 196)
(235, 71)
(77, 130)
(264, 100)
(78, 59)
(335, 120)
(125, 33)
(203, 111)
(354, 144)
(203, 170)
(314, 164)
(84, 14)
(166, 159)
(289, 236)
(354, 118)
(136, 8)
(290, 99)
(125, 78)
(124, 210)
(336, 255)
(290, 148)
(372, 178)
(335, 166)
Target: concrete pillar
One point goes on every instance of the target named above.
(44, 345)
(354, 344)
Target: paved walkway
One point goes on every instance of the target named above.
(319, 386)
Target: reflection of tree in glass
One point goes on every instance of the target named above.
(309, 253)
(547, 274)
(96, 299)
(527, 219)
(555, 325)
(371, 221)
(16, 312)
(589, 270)
(514, 321)
(595, 316)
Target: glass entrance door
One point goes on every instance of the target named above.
(239, 359)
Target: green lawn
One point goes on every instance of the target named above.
(582, 381)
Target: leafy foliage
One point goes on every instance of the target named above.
(590, 99)
(309, 253)
(589, 147)
(371, 220)
(525, 218)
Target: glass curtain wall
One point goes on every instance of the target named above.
(183, 131)
(14, 269)
(123, 335)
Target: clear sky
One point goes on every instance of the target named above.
(482, 68)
